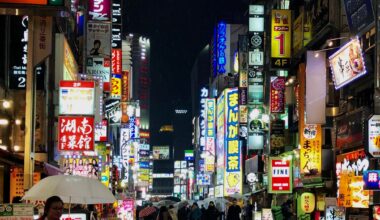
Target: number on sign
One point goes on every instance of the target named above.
(21, 82)
(281, 39)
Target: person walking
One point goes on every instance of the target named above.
(212, 213)
(172, 212)
(53, 209)
(234, 211)
(183, 212)
(248, 209)
(164, 214)
(195, 213)
(203, 210)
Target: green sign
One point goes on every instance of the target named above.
(56, 2)
(6, 210)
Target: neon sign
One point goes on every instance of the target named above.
(221, 47)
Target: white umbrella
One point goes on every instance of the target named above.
(71, 189)
(236, 196)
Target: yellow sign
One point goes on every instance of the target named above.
(116, 85)
(281, 34)
(307, 202)
(310, 136)
(298, 33)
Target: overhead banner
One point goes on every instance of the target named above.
(310, 138)
(277, 94)
(75, 133)
(76, 97)
(374, 135)
(281, 38)
(280, 175)
(233, 178)
(347, 64)
(99, 10)
(315, 92)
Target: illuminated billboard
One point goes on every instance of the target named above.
(99, 10)
(280, 175)
(76, 133)
(347, 64)
(76, 98)
(233, 179)
(281, 38)
(99, 39)
(210, 135)
(220, 139)
(161, 153)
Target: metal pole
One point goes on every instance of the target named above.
(29, 112)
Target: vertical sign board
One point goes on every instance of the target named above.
(310, 137)
(210, 134)
(233, 179)
(76, 133)
(18, 55)
(220, 123)
(221, 44)
(281, 38)
(202, 120)
(99, 10)
(116, 86)
(280, 175)
(277, 94)
(374, 135)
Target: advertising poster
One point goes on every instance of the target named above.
(76, 97)
(350, 168)
(203, 179)
(220, 123)
(98, 68)
(75, 133)
(277, 94)
(233, 179)
(374, 135)
(99, 39)
(99, 10)
(280, 175)
(335, 212)
(81, 166)
(125, 209)
(376, 212)
(359, 15)
(281, 38)
(310, 138)
(161, 153)
(347, 64)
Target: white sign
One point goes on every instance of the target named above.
(76, 98)
(374, 135)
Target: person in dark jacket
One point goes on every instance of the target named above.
(195, 213)
(286, 209)
(234, 211)
(183, 212)
(203, 210)
(212, 213)
(248, 209)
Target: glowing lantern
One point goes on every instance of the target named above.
(307, 202)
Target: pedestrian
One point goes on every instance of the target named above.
(172, 212)
(195, 213)
(247, 211)
(53, 209)
(163, 214)
(234, 211)
(286, 209)
(203, 210)
(183, 212)
(212, 213)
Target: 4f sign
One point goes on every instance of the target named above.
(281, 38)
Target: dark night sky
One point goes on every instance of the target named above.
(178, 30)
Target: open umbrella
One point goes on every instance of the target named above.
(147, 211)
(71, 189)
(173, 198)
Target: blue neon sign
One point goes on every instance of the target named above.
(221, 47)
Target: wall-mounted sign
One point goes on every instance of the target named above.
(359, 15)
(371, 179)
(18, 54)
(116, 86)
(98, 68)
(112, 111)
(161, 152)
(319, 13)
(280, 175)
(76, 133)
(350, 129)
(116, 61)
(125, 86)
(116, 36)
(81, 166)
(298, 33)
(347, 64)
(116, 11)
(220, 124)
(101, 131)
(277, 135)
(374, 135)
(76, 97)
(210, 126)
(233, 179)
(203, 179)
(307, 202)
(281, 38)
(189, 154)
(99, 10)
(277, 94)
(221, 44)
(99, 39)
(255, 86)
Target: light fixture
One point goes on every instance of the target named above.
(330, 42)
(6, 104)
(316, 54)
(3, 147)
(18, 121)
(16, 148)
(4, 121)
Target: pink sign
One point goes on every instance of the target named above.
(99, 10)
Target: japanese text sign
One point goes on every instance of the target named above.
(116, 86)
(116, 61)
(277, 94)
(99, 10)
(280, 175)
(76, 97)
(76, 133)
(281, 38)
(233, 170)
(372, 179)
(374, 135)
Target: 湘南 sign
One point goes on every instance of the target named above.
(281, 38)
(76, 133)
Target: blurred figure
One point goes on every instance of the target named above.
(247, 212)
(203, 210)
(195, 213)
(234, 211)
(183, 212)
(172, 212)
(286, 209)
(53, 209)
(163, 214)
(212, 213)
